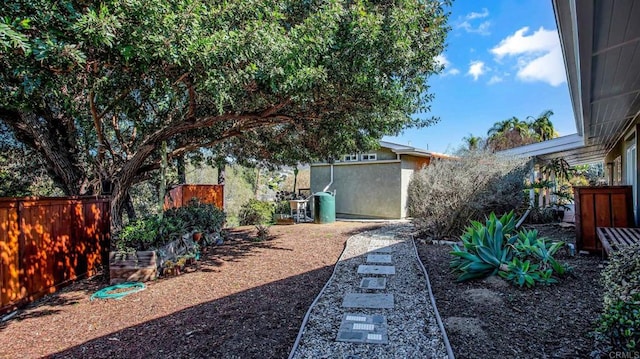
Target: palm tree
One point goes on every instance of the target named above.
(472, 142)
(521, 126)
(509, 133)
(542, 126)
(500, 128)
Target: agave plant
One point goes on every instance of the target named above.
(484, 248)
(492, 248)
(521, 273)
(545, 251)
(529, 245)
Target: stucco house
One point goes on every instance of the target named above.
(372, 184)
(600, 43)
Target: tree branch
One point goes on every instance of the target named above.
(270, 111)
(97, 124)
(114, 102)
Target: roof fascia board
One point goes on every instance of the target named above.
(413, 153)
(575, 40)
(583, 15)
(555, 145)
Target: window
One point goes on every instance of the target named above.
(352, 157)
(369, 157)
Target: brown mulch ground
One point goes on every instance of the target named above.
(247, 300)
(488, 319)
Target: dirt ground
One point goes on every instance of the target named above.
(493, 319)
(247, 300)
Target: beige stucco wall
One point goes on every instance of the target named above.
(382, 154)
(410, 164)
(363, 190)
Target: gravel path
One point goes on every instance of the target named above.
(412, 327)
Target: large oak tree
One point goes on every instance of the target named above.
(95, 88)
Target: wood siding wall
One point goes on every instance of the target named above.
(608, 206)
(45, 242)
(182, 194)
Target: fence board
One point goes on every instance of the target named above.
(46, 242)
(180, 195)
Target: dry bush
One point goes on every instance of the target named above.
(444, 196)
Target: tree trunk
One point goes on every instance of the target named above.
(182, 176)
(52, 140)
(221, 172)
(123, 182)
(163, 178)
(257, 186)
(130, 209)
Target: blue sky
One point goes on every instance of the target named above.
(502, 59)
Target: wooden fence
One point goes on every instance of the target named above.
(45, 242)
(206, 193)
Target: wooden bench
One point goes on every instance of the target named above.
(614, 239)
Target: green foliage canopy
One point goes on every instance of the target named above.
(94, 88)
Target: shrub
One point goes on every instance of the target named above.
(256, 212)
(138, 235)
(619, 325)
(444, 196)
(492, 248)
(200, 217)
(149, 233)
(152, 232)
(283, 207)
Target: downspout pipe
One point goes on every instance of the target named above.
(330, 182)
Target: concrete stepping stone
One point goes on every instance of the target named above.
(373, 283)
(366, 300)
(380, 242)
(379, 258)
(380, 245)
(360, 328)
(373, 269)
(380, 249)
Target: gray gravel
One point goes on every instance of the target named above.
(412, 327)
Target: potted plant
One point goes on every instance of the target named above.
(135, 258)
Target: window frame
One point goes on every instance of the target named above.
(352, 157)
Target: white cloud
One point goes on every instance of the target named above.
(519, 43)
(476, 69)
(494, 80)
(548, 68)
(477, 15)
(466, 23)
(482, 29)
(442, 60)
(538, 56)
(448, 68)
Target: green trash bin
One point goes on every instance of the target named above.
(324, 205)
